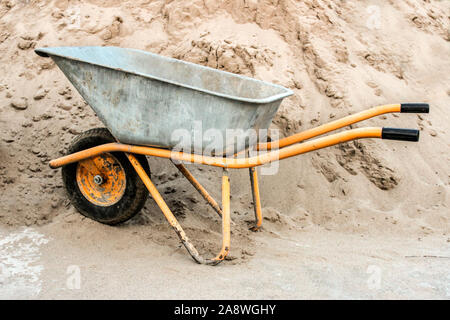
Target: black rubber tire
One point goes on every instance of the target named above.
(135, 193)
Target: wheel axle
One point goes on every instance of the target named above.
(98, 179)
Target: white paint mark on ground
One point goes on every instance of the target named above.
(19, 268)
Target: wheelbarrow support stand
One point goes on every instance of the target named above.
(256, 198)
(226, 232)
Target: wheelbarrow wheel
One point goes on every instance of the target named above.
(105, 188)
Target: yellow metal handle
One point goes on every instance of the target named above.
(331, 126)
(231, 163)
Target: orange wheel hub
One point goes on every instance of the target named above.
(101, 179)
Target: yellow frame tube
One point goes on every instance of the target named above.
(286, 152)
(256, 199)
(174, 222)
(331, 126)
(188, 175)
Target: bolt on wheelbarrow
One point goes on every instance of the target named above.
(149, 103)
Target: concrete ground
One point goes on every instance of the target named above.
(41, 263)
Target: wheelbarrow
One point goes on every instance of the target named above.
(149, 103)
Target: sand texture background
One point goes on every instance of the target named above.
(339, 57)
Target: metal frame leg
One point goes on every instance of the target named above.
(226, 233)
(188, 175)
(256, 199)
(199, 187)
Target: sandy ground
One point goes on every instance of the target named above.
(73, 257)
(367, 219)
(316, 264)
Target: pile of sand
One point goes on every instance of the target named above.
(338, 57)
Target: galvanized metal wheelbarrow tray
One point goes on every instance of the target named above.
(143, 98)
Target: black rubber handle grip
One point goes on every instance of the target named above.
(400, 134)
(415, 108)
